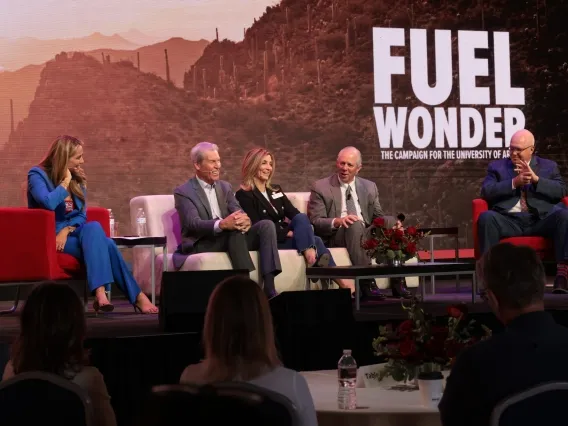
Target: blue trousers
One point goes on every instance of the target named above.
(102, 259)
(304, 238)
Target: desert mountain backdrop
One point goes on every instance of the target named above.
(301, 84)
(20, 86)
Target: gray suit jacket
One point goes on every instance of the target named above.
(325, 203)
(195, 214)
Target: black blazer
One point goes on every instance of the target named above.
(257, 207)
(533, 349)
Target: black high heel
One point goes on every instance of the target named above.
(109, 307)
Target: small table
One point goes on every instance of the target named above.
(421, 270)
(375, 406)
(151, 243)
(451, 231)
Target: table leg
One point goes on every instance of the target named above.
(153, 273)
(165, 259)
(473, 287)
(457, 244)
(432, 259)
(423, 286)
(357, 294)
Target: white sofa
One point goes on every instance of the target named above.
(162, 219)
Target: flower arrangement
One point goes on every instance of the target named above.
(419, 344)
(392, 245)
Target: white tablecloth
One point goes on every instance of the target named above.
(379, 406)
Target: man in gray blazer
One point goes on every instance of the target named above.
(342, 207)
(212, 220)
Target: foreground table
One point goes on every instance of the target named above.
(421, 269)
(379, 406)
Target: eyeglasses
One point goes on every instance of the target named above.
(519, 150)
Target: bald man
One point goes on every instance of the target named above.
(524, 194)
(341, 208)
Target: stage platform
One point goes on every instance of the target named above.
(134, 355)
(124, 322)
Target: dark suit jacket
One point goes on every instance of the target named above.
(195, 214)
(257, 207)
(43, 194)
(532, 350)
(325, 203)
(541, 198)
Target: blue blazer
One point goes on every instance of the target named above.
(497, 187)
(43, 194)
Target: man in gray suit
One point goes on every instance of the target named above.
(212, 220)
(342, 207)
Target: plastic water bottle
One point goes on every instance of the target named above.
(141, 223)
(111, 222)
(347, 376)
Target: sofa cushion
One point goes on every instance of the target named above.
(299, 200)
(162, 219)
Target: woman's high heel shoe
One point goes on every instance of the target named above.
(138, 310)
(109, 307)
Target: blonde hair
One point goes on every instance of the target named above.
(55, 163)
(238, 335)
(250, 166)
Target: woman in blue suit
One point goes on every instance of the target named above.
(59, 184)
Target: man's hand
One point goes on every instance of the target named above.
(525, 175)
(345, 221)
(243, 223)
(61, 238)
(235, 221)
(290, 234)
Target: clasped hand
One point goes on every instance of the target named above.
(525, 174)
(61, 238)
(238, 221)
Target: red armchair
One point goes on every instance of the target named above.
(542, 246)
(28, 250)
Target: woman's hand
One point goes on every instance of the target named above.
(67, 179)
(79, 172)
(290, 234)
(61, 238)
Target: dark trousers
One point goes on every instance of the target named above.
(103, 261)
(493, 226)
(304, 238)
(261, 237)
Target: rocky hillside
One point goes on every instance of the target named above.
(139, 130)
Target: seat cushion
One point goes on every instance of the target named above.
(539, 244)
(70, 267)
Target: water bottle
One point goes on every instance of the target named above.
(111, 222)
(347, 376)
(141, 223)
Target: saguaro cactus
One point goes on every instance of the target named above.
(138, 60)
(12, 116)
(318, 62)
(194, 70)
(265, 75)
(309, 18)
(167, 66)
(203, 72)
(217, 34)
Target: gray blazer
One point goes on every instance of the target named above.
(325, 203)
(195, 214)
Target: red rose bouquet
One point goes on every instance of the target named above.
(420, 344)
(392, 245)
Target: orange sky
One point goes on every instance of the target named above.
(191, 19)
